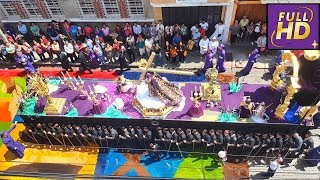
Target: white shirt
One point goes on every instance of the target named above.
(219, 28)
(204, 43)
(257, 28)
(68, 49)
(204, 25)
(148, 43)
(89, 43)
(214, 45)
(195, 32)
(153, 30)
(171, 29)
(194, 29)
(98, 50)
(55, 47)
(274, 165)
(160, 28)
(130, 40)
(137, 29)
(244, 22)
(261, 41)
(167, 29)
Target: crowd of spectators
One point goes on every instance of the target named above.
(171, 43)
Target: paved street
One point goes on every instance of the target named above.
(237, 57)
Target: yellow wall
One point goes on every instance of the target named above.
(157, 14)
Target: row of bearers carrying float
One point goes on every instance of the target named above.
(239, 145)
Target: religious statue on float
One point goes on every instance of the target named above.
(246, 107)
(99, 105)
(124, 86)
(39, 86)
(156, 96)
(211, 90)
(161, 88)
(196, 109)
(126, 90)
(259, 114)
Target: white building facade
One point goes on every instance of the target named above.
(76, 10)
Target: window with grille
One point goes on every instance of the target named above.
(135, 7)
(32, 9)
(8, 10)
(86, 9)
(54, 8)
(111, 8)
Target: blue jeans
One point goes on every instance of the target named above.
(101, 59)
(158, 61)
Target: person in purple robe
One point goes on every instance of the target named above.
(221, 59)
(253, 56)
(24, 61)
(11, 144)
(94, 58)
(277, 62)
(209, 58)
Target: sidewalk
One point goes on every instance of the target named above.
(297, 169)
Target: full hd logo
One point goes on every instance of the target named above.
(293, 26)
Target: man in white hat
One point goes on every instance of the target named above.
(214, 44)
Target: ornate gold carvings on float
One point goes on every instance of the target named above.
(211, 90)
(304, 111)
(283, 108)
(39, 86)
(276, 80)
(152, 112)
(292, 88)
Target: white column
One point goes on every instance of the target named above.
(227, 22)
